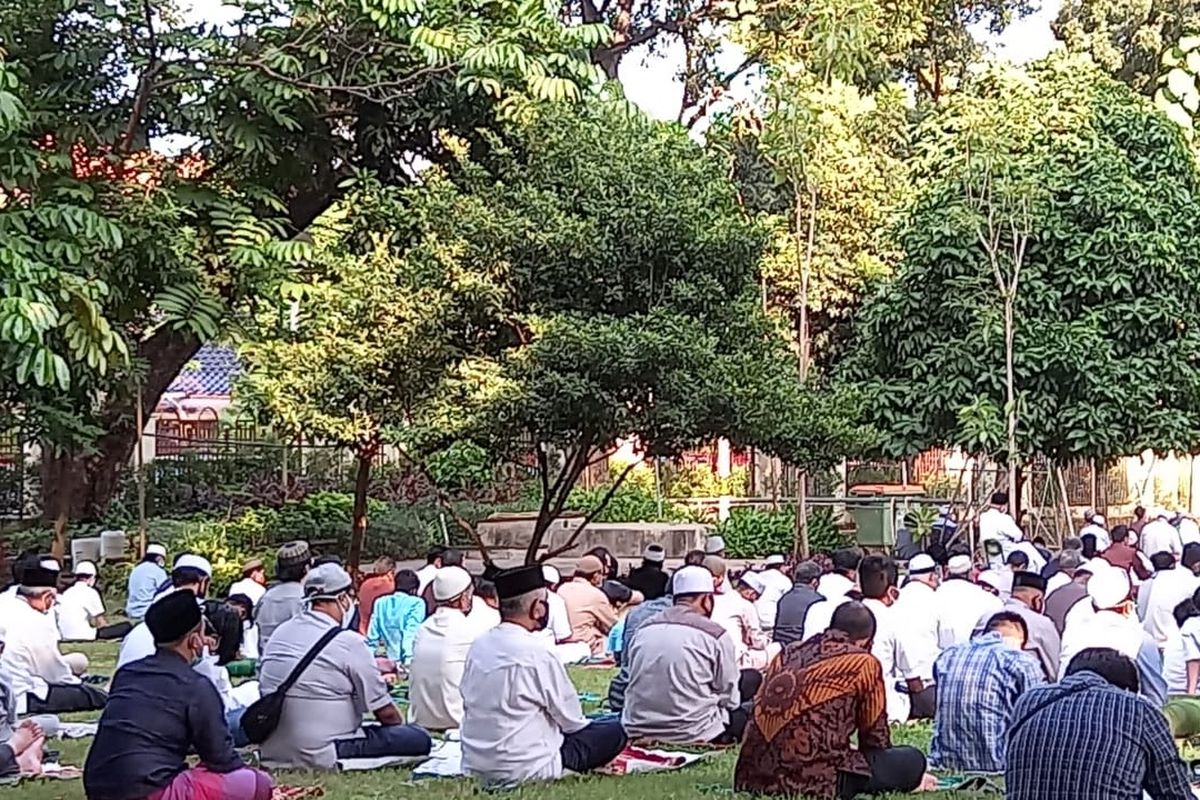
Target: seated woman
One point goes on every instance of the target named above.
(159, 711)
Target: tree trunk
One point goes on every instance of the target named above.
(362, 482)
(83, 485)
(1010, 403)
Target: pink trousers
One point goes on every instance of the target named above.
(200, 784)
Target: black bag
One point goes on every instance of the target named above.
(262, 717)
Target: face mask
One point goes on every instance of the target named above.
(1133, 540)
(199, 656)
(543, 621)
(347, 614)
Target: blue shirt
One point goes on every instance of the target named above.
(978, 683)
(143, 588)
(633, 620)
(394, 623)
(1084, 737)
(159, 709)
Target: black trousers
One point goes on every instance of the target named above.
(897, 769)
(748, 685)
(594, 746)
(61, 699)
(118, 630)
(924, 703)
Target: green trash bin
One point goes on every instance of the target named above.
(878, 509)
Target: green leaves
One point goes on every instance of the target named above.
(189, 308)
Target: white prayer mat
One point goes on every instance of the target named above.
(446, 762)
(363, 764)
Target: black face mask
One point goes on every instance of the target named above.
(543, 621)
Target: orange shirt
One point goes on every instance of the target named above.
(371, 590)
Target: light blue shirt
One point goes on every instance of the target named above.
(395, 619)
(143, 588)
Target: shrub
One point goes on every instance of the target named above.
(756, 533)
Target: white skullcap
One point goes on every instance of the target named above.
(996, 580)
(1108, 588)
(1099, 520)
(551, 575)
(714, 545)
(156, 550)
(50, 564)
(775, 558)
(920, 564)
(450, 582)
(692, 580)
(753, 580)
(654, 552)
(193, 561)
(85, 568)
(959, 565)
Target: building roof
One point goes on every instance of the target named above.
(210, 373)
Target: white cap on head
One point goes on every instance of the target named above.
(551, 575)
(996, 580)
(450, 582)
(959, 565)
(85, 568)
(156, 550)
(753, 580)
(921, 563)
(1099, 520)
(692, 580)
(50, 564)
(193, 561)
(654, 552)
(1108, 588)
(775, 558)
(714, 545)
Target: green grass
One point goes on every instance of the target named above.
(712, 776)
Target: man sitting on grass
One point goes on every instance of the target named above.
(440, 653)
(814, 698)
(521, 715)
(684, 684)
(191, 572)
(43, 680)
(81, 610)
(397, 617)
(322, 715)
(160, 711)
(283, 599)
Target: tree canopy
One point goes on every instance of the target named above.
(1104, 191)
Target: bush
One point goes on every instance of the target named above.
(756, 533)
(628, 504)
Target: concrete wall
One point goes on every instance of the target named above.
(625, 540)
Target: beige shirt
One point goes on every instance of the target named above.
(683, 678)
(739, 618)
(590, 613)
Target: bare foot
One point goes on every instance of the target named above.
(30, 761)
(929, 783)
(25, 736)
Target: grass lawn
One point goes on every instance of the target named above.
(711, 777)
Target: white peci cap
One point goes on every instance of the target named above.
(920, 564)
(692, 580)
(85, 568)
(156, 550)
(959, 565)
(550, 574)
(1108, 588)
(450, 582)
(193, 561)
(753, 580)
(714, 545)
(775, 558)
(654, 552)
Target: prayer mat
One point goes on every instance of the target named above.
(591, 699)
(980, 784)
(76, 730)
(364, 764)
(296, 792)
(635, 760)
(598, 662)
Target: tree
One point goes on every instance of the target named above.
(629, 311)
(273, 113)
(1105, 347)
(1127, 39)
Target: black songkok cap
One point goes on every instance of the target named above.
(172, 616)
(1029, 579)
(519, 580)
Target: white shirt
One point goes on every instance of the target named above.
(425, 576)
(1036, 561)
(916, 617)
(739, 617)
(439, 655)
(558, 629)
(31, 654)
(1103, 540)
(1189, 531)
(517, 704)
(137, 644)
(1100, 629)
(961, 604)
(1181, 649)
(1170, 588)
(77, 606)
(820, 616)
(249, 587)
(893, 657)
(996, 525)
(1160, 536)
(832, 585)
(483, 616)
(1057, 581)
(777, 585)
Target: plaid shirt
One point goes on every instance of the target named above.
(1084, 737)
(978, 683)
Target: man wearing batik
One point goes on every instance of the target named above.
(978, 684)
(814, 698)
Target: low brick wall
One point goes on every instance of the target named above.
(625, 540)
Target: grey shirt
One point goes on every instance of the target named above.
(328, 701)
(280, 603)
(1044, 641)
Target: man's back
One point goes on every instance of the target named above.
(978, 684)
(395, 620)
(1084, 739)
(1060, 602)
(791, 612)
(159, 709)
(634, 621)
(960, 605)
(590, 612)
(1171, 587)
(777, 585)
(814, 697)
(279, 604)
(684, 678)
(439, 656)
(651, 581)
(144, 581)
